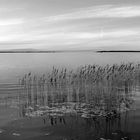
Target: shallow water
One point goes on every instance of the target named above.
(14, 66)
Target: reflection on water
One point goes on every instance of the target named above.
(92, 102)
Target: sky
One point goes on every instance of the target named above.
(70, 24)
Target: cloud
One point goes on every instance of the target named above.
(9, 9)
(74, 40)
(66, 38)
(105, 11)
(6, 22)
(19, 32)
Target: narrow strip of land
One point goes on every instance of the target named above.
(119, 51)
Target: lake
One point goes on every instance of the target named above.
(23, 118)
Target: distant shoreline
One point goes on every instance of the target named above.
(27, 51)
(44, 51)
(118, 51)
(69, 51)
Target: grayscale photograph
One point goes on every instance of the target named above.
(69, 69)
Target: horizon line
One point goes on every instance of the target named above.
(61, 51)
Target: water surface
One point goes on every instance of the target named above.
(14, 66)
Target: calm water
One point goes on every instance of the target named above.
(14, 66)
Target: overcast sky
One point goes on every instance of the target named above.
(70, 24)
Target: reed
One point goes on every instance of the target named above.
(102, 87)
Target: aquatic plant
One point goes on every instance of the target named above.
(89, 90)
